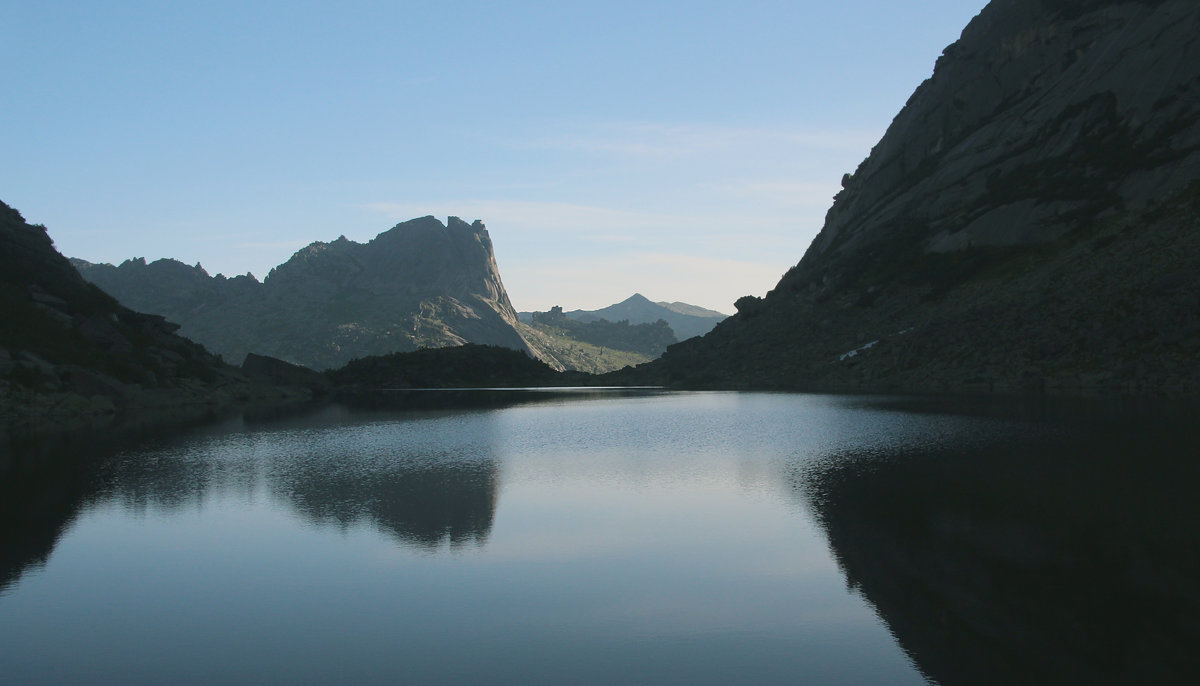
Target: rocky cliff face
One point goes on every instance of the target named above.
(1028, 221)
(419, 284)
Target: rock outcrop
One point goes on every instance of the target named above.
(419, 284)
(1029, 221)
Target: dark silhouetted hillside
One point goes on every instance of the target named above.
(465, 366)
(68, 350)
(1030, 221)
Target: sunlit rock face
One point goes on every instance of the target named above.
(420, 284)
(1027, 222)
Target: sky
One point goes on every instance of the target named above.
(684, 150)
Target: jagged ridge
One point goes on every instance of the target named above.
(419, 284)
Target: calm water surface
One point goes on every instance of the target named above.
(654, 538)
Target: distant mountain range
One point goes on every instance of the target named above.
(419, 284)
(1028, 222)
(595, 346)
(685, 320)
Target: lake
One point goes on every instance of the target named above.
(611, 537)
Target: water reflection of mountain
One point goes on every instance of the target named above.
(420, 503)
(421, 473)
(38, 502)
(418, 497)
(1072, 558)
(45, 482)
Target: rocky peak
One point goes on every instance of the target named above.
(420, 283)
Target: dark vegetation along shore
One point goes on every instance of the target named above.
(1029, 223)
(466, 366)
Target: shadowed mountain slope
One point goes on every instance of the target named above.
(1029, 221)
(70, 351)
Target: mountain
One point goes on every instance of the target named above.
(68, 351)
(631, 332)
(685, 320)
(596, 346)
(692, 310)
(420, 284)
(1028, 222)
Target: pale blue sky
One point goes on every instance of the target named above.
(688, 151)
